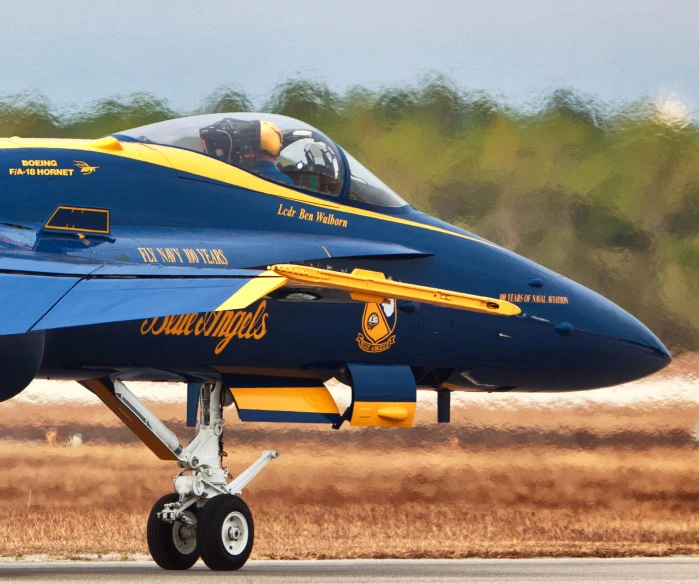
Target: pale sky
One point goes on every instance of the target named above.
(74, 51)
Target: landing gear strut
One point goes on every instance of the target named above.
(205, 516)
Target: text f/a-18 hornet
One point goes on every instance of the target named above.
(251, 257)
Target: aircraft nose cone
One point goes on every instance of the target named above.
(597, 315)
(616, 323)
(647, 339)
(618, 347)
(633, 357)
(643, 353)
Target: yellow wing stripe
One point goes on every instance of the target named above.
(254, 290)
(368, 285)
(286, 399)
(207, 167)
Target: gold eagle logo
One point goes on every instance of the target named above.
(84, 167)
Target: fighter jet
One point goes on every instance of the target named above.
(251, 257)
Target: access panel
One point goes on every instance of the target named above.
(382, 395)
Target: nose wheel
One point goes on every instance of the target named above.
(222, 532)
(225, 533)
(173, 545)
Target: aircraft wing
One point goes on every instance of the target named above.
(38, 294)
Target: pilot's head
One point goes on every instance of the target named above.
(270, 141)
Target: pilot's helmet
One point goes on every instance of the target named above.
(270, 138)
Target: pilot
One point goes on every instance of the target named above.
(270, 147)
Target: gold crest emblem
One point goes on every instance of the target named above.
(84, 167)
(378, 323)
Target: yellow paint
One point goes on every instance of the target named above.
(254, 290)
(108, 143)
(363, 297)
(40, 168)
(225, 326)
(394, 414)
(304, 214)
(376, 284)
(133, 423)
(41, 171)
(131, 150)
(285, 399)
(85, 168)
(377, 330)
(383, 414)
(535, 298)
(207, 167)
(48, 225)
(40, 163)
(183, 255)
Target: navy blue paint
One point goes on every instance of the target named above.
(20, 358)
(90, 220)
(47, 264)
(565, 329)
(106, 300)
(158, 271)
(444, 406)
(154, 206)
(240, 380)
(192, 403)
(382, 383)
(25, 299)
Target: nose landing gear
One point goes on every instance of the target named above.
(205, 516)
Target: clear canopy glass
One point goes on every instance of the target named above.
(274, 147)
(366, 187)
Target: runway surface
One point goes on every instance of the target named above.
(560, 571)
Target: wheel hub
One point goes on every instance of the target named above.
(184, 535)
(234, 533)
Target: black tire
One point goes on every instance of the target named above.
(221, 552)
(161, 539)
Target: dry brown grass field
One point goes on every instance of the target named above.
(602, 480)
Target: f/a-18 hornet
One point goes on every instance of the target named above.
(251, 257)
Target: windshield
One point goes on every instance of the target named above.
(274, 147)
(368, 188)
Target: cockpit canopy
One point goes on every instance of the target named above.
(276, 148)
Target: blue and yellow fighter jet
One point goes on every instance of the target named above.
(253, 258)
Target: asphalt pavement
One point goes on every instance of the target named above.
(560, 571)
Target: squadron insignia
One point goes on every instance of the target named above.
(378, 324)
